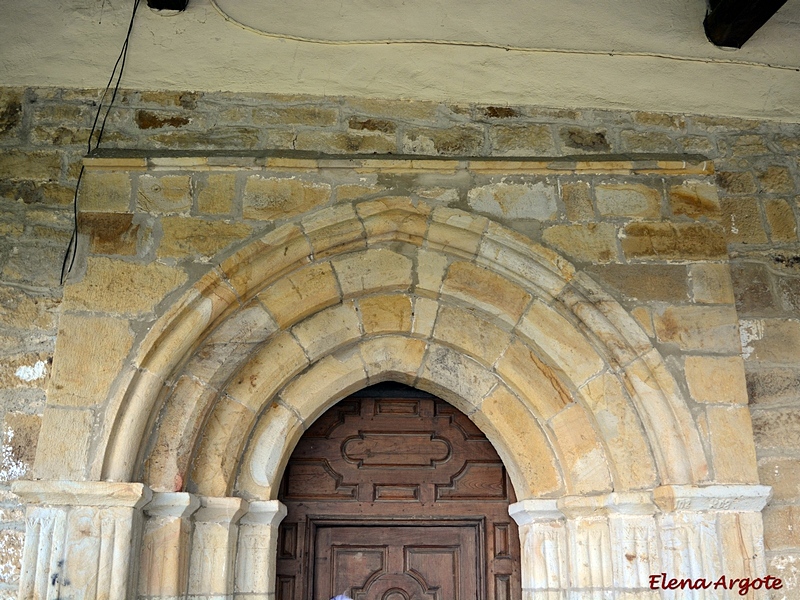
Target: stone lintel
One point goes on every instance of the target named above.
(625, 503)
(172, 504)
(738, 498)
(100, 494)
(267, 512)
(220, 510)
(530, 511)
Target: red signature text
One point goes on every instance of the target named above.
(741, 585)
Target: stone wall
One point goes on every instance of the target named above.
(621, 229)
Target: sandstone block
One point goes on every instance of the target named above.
(716, 379)
(583, 456)
(774, 341)
(591, 242)
(328, 330)
(520, 441)
(454, 141)
(105, 191)
(660, 120)
(63, 447)
(486, 290)
(673, 241)
(742, 221)
(274, 198)
(733, 456)
(454, 377)
(628, 200)
(536, 383)
(26, 370)
(748, 145)
(393, 109)
(198, 239)
(301, 293)
(20, 437)
(780, 527)
(711, 283)
(394, 218)
(216, 195)
(345, 143)
(783, 475)
(753, 289)
(318, 116)
(41, 165)
(776, 180)
(424, 317)
(393, 357)
(385, 313)
(456, 232)
(90, 352)
(334, 230)
(651, 142)
(10, 113)
(12, 543)
(515, 201)
(353, 191)
(577, 199)
(521, 140)
(467, 331)
(698, 328)
(777, 429)
(737, 182)
(26, 310)
(781, 219)
(772, 385)
(164, 195)
(663, 283)
(110, 233)
(695, 199)
(584, 140)
(121, 287)
(34, 264)
(373, 270)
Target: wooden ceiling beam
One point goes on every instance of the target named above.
(731, 23)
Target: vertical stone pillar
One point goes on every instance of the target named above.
(81, 539)
(258, 545)
(165, 545)
(214, 546)
(708, 532)
(544, 548)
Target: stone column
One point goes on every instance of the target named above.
(543, 545)
(258, 545)
(214, 547)
(81, 539)
(711, 531)
(165, 545)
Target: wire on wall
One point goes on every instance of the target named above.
(93, 144)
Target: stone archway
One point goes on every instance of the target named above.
(592, 426)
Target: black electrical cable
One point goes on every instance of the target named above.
(72, 247)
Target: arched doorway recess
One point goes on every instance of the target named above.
(605, 456)
(393, 491)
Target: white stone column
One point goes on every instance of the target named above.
(543, 546)
(214, 547)
(708, 532)
(81, 539)
(258, 545)
(165, 545)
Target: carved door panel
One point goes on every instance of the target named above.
(397, 563)
(394, 494)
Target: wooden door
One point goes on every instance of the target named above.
(393, 494)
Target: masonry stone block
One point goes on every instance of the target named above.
(515, 201)
(698, 328)
(105, 191)
(591, 242)
(742, 220)
(40, 165)
(301, 293)
(328, 330)
(217, 194)
(456, 378)
(733, 457)
(673, 241)
(164, 195)
(395, 218)
(273, 199)
(373, 270)
(711, 283)
(644, 282)
(198, 239)
(696, 200)
(397, 358)
(334, 230)
(486, 290)
(385, 313)
(627, 200)
(781, 219)
(578, 200)
(521, 140)
(716, 379)
(777, 429)
(466, 330)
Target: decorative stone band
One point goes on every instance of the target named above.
(617, 541)
(80, 538)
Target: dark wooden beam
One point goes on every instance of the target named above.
(178, 5)
(731, 23)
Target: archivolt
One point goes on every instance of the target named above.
(558, 375)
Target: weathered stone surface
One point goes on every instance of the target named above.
(780, 527)
(695, 200)
(456, 378)
(393, 357)
(752, 285)
(35, 264)
(148, 119)
(520, 441)
(737, 183)
(10, 113)
(12, 543)
(711, 283)
(373, 270)
(90, 352)
(773, 385)
(109, 232)
(670, 241)
(665, 283)
(26, 310)
(771, 340)
(782, 221)
(121, 287)
(733, 456)
(20, 436)
(591, 242)
(41, 165)
(716, 379)
(583, 456)
(216, 194)
(777, 429)
(328, 330)
(424, 317)
(456, 232)
(164, 195)
(345, 143)
(577, 198)
(521, 140)
(394, 218)
(628, 200)
(486, 290)
(334, 230)
(748, 145)
(586, 140)
(353, 191)
(25, 370)
(385, 313)
(776, 180)
(105, 191)
(662, 120)
(467, 331)
(515, 201)
(458, 141)
(195, 238)
(783, 475)
(63, 446)
(301, 293)
(275, 198)
(742, 221)
(295, 115)
(698, 328)
(635, 141)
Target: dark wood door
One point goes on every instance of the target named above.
(393, 494)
